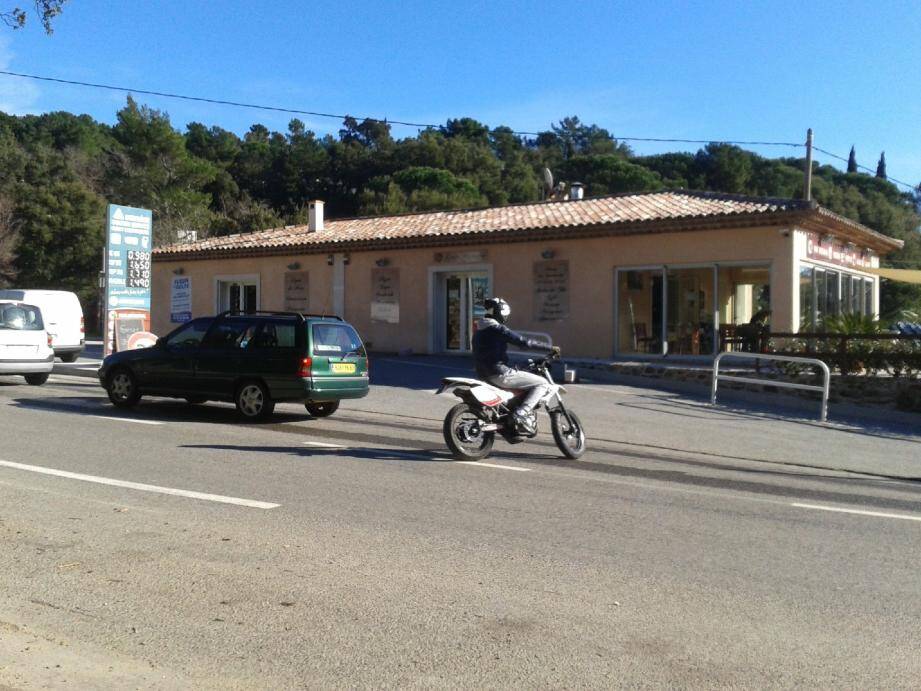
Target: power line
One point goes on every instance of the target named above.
(337, 116)
(869, 170)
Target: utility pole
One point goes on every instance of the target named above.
(807, 186)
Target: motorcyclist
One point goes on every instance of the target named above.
(490, 351)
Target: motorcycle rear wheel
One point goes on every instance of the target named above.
(465, 444)
(570, 439)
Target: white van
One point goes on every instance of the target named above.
(63, 318)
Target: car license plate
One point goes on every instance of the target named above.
(343, 367)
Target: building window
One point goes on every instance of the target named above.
(690, 314)
(806, 298)
(640, 313)
(238, 294)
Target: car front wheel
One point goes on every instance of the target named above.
(253, 401)
(123, 388)
(36, 379)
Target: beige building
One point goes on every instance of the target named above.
(629, 275)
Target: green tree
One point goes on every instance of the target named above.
(852, 161)
(881, 166)
(61, 235)
(152, 168)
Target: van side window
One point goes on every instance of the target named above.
(276, 335)
(231, 334)
(190, 335)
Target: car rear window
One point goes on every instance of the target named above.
(336, 339)
(21, 318)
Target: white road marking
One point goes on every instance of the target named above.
(129, 419)
(495, 465)
(251, 503)
(322, 445)
(877, 514)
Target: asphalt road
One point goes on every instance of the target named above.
(174, 547)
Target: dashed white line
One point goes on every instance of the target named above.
(495, 465)
(859, 512)
(322, 445)
(251, 503)
(129, 419)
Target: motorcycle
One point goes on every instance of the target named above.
(470, 427)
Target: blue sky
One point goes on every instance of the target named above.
(696, 70)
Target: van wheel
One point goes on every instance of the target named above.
(69, 357)
(122, 388)
(36, 379)
(324, 409)
(253, 401)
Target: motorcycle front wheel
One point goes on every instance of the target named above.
(569, 436)
(463, 434)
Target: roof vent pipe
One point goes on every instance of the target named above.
(576, 191)
(314, 216)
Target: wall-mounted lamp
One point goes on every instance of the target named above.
(330, 259)
(294, 266)
(548, 254)
(179, 271)
(382, 261)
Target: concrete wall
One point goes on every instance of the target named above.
(589, 330)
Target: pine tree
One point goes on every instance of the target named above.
(852, 161)
(881, 166)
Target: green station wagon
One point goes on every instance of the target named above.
(253, 359)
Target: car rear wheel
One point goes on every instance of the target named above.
(69, 357)
(36, 379)
(122, 388)
(253, 401)
(322, 409)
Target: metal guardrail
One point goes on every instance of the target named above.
(787, 385)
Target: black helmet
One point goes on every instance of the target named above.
(498, 309)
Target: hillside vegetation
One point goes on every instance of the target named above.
(58, 171)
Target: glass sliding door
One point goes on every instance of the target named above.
(640, 312)
(690, 311)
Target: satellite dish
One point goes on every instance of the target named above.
(548, 180)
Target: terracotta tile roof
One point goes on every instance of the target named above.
(633, 212)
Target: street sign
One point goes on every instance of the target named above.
(129, 240)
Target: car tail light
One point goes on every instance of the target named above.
(49, 339)
(82, 329)
(306, 364)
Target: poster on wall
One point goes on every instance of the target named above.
(180, 299)
(551, 290)
(129, 240)
(385, 296)
(296, 286)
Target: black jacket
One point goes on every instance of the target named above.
(490, 346)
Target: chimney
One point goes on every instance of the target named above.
(315, 216)
(576, 191)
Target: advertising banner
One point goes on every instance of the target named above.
(129, 239)
(180, 300)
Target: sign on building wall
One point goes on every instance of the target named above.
(836, 252)
(297, 284)
(129, 239)
(551, 290)
(385, 296)
(180, 299)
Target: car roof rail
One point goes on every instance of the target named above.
(324, 316)
(248, 313)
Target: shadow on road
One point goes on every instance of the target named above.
(158, 411)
